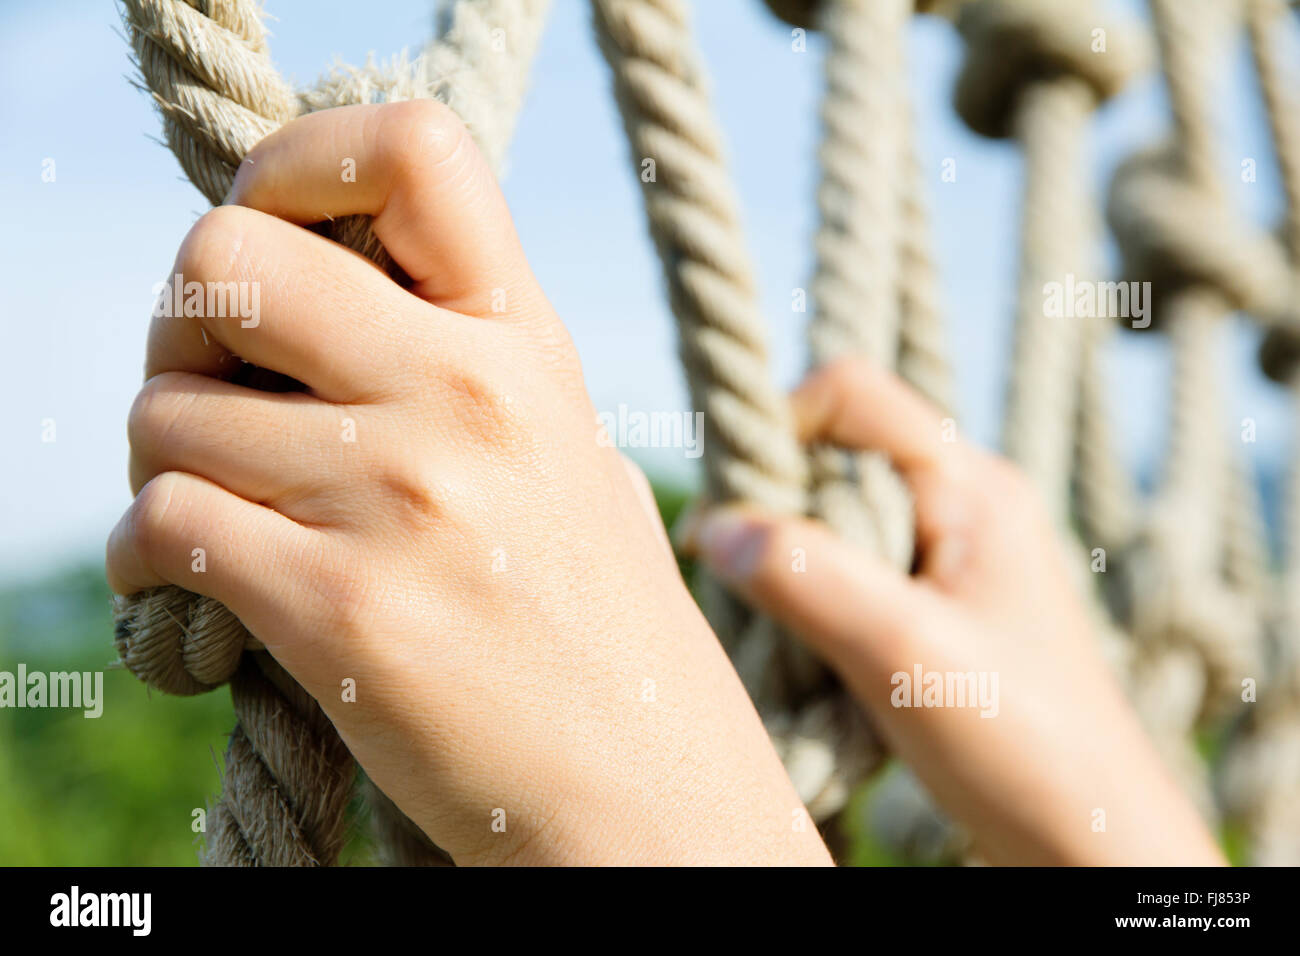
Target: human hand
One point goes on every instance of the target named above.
(1027, 767)
(434, 518)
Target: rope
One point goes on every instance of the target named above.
(695, 223)
(1050, 125)
(1195, 635)
(1194, 575)
(660, 87)
(874, 288)
(922, 352)
(1105, 498)
(857, 306)
(1261, 774)
(287, 777)
(1030, 73)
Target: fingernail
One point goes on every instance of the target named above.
(730, 543)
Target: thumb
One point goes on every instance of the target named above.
(853, 610)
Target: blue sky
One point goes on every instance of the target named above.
(80, 255)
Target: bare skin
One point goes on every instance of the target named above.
(476, 560)
(992, 594)
(494, 578)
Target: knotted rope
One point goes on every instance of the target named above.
(1195, 635)
(288, 777)
(1260, 782)
(1030, 73)
(1193, 574)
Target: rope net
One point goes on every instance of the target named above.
(1189, 609)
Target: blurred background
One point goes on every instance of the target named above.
(81, 254)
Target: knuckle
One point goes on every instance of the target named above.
(154, 413)
(154, 513)
(487, 410)
(413, 494)
(345, 583)
(212, 249)
(844, 373)
(420, 133)
(547, 343)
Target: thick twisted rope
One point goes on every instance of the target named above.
(874, 290)
(695, 223)
(1195, 635)
(856, 303)
(1268, 23)
(287, 777)
(753, 455)
(1246, 565)
(1030, 73)
(922, 341)
(1050, 125)
(1105, 498)
(208, 69)
(857, 306)
(1260, 782)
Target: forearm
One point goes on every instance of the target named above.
(678, 770)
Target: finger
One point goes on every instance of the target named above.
(307, 308)
(851, 609)
(267, 447)
(858, 405)
(187, 531)
(436, 205)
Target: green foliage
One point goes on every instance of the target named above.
(117, 789)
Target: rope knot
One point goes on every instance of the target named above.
(177, 642)
(1012, 44)
(1175, 233)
